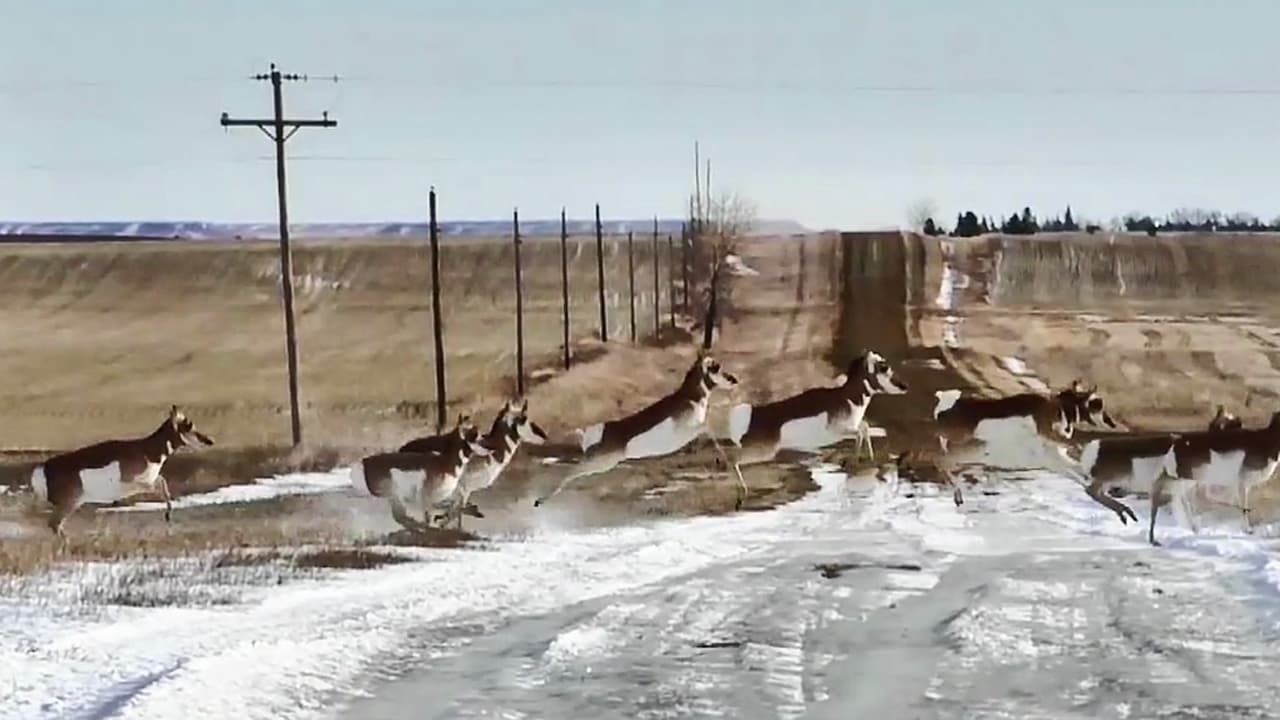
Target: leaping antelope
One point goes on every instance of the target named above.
(511, 426)
(1236, 457)
(662, 428)
(815, 418)
(426, 478)
(113, 470)
(1018, 431)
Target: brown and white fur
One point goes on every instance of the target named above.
(1236, 457)
(113, 470)
(423, 479)
(1018, 431)
(661, 428)
(510, 428)
(816, 418)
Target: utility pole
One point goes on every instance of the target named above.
(274, 128)
(437, 324)
(564, 281)
(515, 242)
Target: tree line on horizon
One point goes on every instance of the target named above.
(969, 224)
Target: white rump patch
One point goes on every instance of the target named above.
(739, 422)
(947, 399)
(40, 483)
(591, 436)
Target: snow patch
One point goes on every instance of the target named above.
(259, 490)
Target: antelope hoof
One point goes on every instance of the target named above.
(957, 497)
(538, 502)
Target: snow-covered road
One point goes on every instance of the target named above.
(1032, 602)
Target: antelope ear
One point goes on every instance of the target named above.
(524, 405)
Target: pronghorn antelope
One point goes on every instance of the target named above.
(113, 470)
(815, 418)
(426, 478)
(1238, 458)
(511, 427)
(662, 428)
(1017, 431)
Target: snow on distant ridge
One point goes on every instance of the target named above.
(195, 230)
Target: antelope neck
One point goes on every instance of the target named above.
(157, 446)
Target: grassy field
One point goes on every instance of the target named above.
(114, 331)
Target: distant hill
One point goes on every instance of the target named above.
(192, 230)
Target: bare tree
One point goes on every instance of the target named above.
(920, 212)
(727, 218)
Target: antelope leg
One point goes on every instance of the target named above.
(1124, 512)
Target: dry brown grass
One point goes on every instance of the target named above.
(117, 331)
(249, 533)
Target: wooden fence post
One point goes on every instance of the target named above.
(657, 305)
(564, 281)
(515, 241)
(684, 266)
(631, 283)
(671, 279)
(437, 326)
(604, 316)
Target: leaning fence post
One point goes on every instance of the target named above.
(604, 316)
(515, 241)
(437, 327)
(631, 282)
(564, 281)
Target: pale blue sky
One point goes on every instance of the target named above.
(834, 114)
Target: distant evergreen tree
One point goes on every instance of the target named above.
(1069, 222)
(1029, 225)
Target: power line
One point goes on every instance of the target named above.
(747, 85)
(274, 129)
